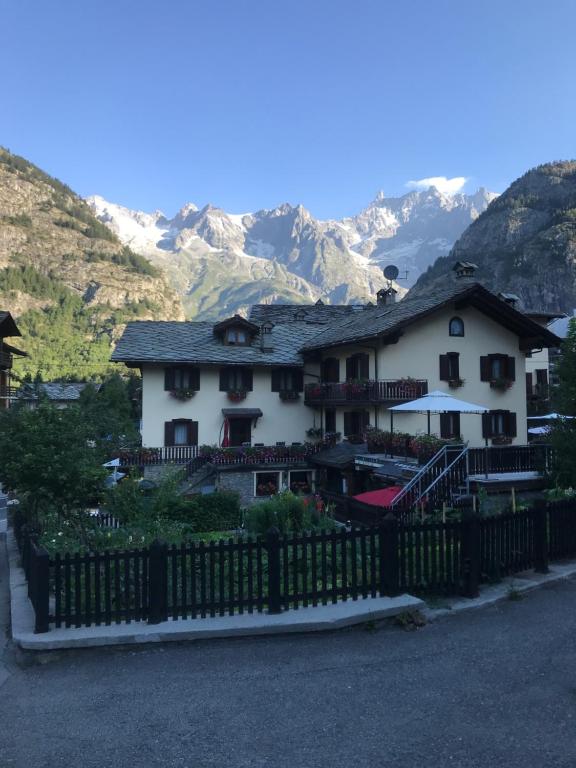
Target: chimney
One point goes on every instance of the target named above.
(510, 298)
(386, 296)
(465, 270)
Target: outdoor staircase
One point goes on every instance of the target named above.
(198, 474)
(442, 479)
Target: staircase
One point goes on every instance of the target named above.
(198, 472)
(441, 479)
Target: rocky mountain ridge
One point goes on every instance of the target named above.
(525, 241)
(221, 263)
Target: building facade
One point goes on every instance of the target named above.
(8, 328)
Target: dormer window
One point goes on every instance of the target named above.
(456, 327)
(236, 336)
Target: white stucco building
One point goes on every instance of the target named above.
(292, 368)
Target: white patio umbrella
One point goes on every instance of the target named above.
(437, 402)
(550, 417)
(538, 430)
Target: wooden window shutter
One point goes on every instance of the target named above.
(487, 424)
(348, 423)
(168, 433)
(511, 368)
(192, 432)
(195, 379)
(247, 379)
(485, 368)
(542, 376)
(350, 368)
(276, 380)
(364, 366)
(444, 369)
(168, 378)
(529, 387)
(445, 425)
(223, 379)
(511, 424)
(298, 380)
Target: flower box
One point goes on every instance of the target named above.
(501, 384)
(182, 394)
(455, 383)
(289, 395)
(236, 395)
(502, 440)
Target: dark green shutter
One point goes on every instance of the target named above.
(276, 380)
(223, 379)
(485, 369)
(348, 423)
(192, 432)
(350, 368)
(247, 379)
(444, 368)
(168, 433)
(195, 379)
(298, 380)
(511, 424)
(364, 366)
(511, 368)
(487, 424)
(168, 378)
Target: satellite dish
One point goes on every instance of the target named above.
(391, 272)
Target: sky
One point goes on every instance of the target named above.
(250, 103)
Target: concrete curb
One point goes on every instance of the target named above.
(319, 619)
(520, 583)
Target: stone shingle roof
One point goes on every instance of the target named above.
(311, 313)
(7, 325)
(55, 391)
(177, 342)
(382, 320)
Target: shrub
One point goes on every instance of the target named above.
(288, 513)
(215, 512)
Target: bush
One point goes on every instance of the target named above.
(218, 511)
(288, 513)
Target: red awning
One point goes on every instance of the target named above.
(381, 498)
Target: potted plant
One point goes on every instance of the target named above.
(501, 440)
(182, 393)
(236, 395)
(408, 387)
(455, 383)
(314, 432)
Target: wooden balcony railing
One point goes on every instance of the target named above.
(8, 393)
(383, 391)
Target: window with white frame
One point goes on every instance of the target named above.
(267, 483)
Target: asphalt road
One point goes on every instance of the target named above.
(495, 687)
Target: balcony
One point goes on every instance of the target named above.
(8, 393)
(386, 391)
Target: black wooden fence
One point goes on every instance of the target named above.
(275, 573)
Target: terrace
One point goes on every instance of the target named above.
(243, 455)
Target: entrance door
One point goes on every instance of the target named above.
(240, 431)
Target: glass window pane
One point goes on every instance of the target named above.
(180, 434)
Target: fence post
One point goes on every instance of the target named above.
(389, 556)
(157, 586)
(273, 548)
(470, 554)
(540, 512)
(39, 587)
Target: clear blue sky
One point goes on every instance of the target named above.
(249, 103)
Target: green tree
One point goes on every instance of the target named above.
(563, 434)
(565, 396)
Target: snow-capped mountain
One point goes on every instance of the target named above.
(222, 262)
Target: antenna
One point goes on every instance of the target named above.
(391, 273)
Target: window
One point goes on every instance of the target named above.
(450, 367)
(181, 432)
(235, 379)
(236, 336)
(287, 380)
(358, 367)
(456, 327)
(184, 377)
(266, 483)
(499, 424)
(449, 425)
(331, 370)
(355, 422)
(301, 481)
(498, 368)
(330, 420)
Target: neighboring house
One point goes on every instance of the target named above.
(288, 369)
(59, 394)
(8, 328)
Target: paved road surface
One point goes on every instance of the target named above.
(492, 688)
